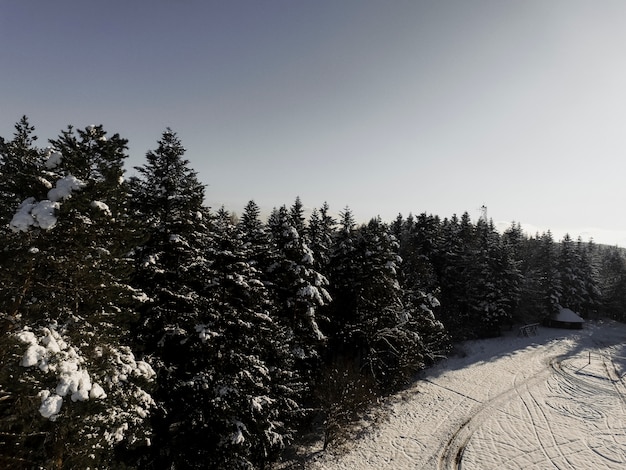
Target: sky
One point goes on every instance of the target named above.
(387, 108)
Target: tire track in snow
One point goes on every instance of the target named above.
(550, 432)
(588, 393)
(534, 427)
(451, 456)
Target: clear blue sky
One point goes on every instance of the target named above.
(382, 106)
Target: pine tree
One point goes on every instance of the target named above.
(371, 320)
(70, 347)
(516, 244)
(493, 282)
(296, 216)
(390, 340)
(343, 264)
(418, 245)
(298, 290)
(588, 268)
(21, 169)
(172, 268)
(612, 283)
(548, 275)
(251, 406)
(418, 240)
(321, 232)
(255, 236)
(450, 263)
(570, 275)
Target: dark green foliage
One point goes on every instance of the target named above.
(298, 290)
(478, 277)
(321, 233)
(372, 318)
(172, 269)
(66, 288)
(21, 168)
(254, 389)
(256, 237)
(612, 283)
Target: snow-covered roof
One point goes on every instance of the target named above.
(568, 316)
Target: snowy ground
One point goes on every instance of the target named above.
(509, 403)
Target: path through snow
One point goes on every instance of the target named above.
(509, 403)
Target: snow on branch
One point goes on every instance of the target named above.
(54, 158)
(51, 353)
(31, 213)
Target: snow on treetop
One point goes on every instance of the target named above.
(64, 187)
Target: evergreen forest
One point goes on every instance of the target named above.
(144, 330)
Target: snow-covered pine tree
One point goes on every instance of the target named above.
(296, 216)
(21, 166)
(321, 232)
(255, 237)
(547, 272)
(418, 239)
(21, 177)
(342, 270)
(382, 332)
(172, 268)
(571, 275)
(250, 409)
(69, 370)
(516, 244)
(370, 319)
(587, 267)
(298, 291)
(612, 282)
(492, 282)
(450, 261)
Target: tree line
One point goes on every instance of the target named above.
(142, 329)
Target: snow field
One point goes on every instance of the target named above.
(510, 403)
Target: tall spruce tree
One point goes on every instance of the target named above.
(321, 232)
(418, 238)
(21, 168)
(251, 408)
(547, 270)
(299, 291)
(370, 318)
(255, 236)
(172, 268)
(79, 386)
(588, 267)
(571, 275)
(450, 264)
(612, 282)
(492, 282)
(296, 216)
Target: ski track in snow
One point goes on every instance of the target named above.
(510, 403)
